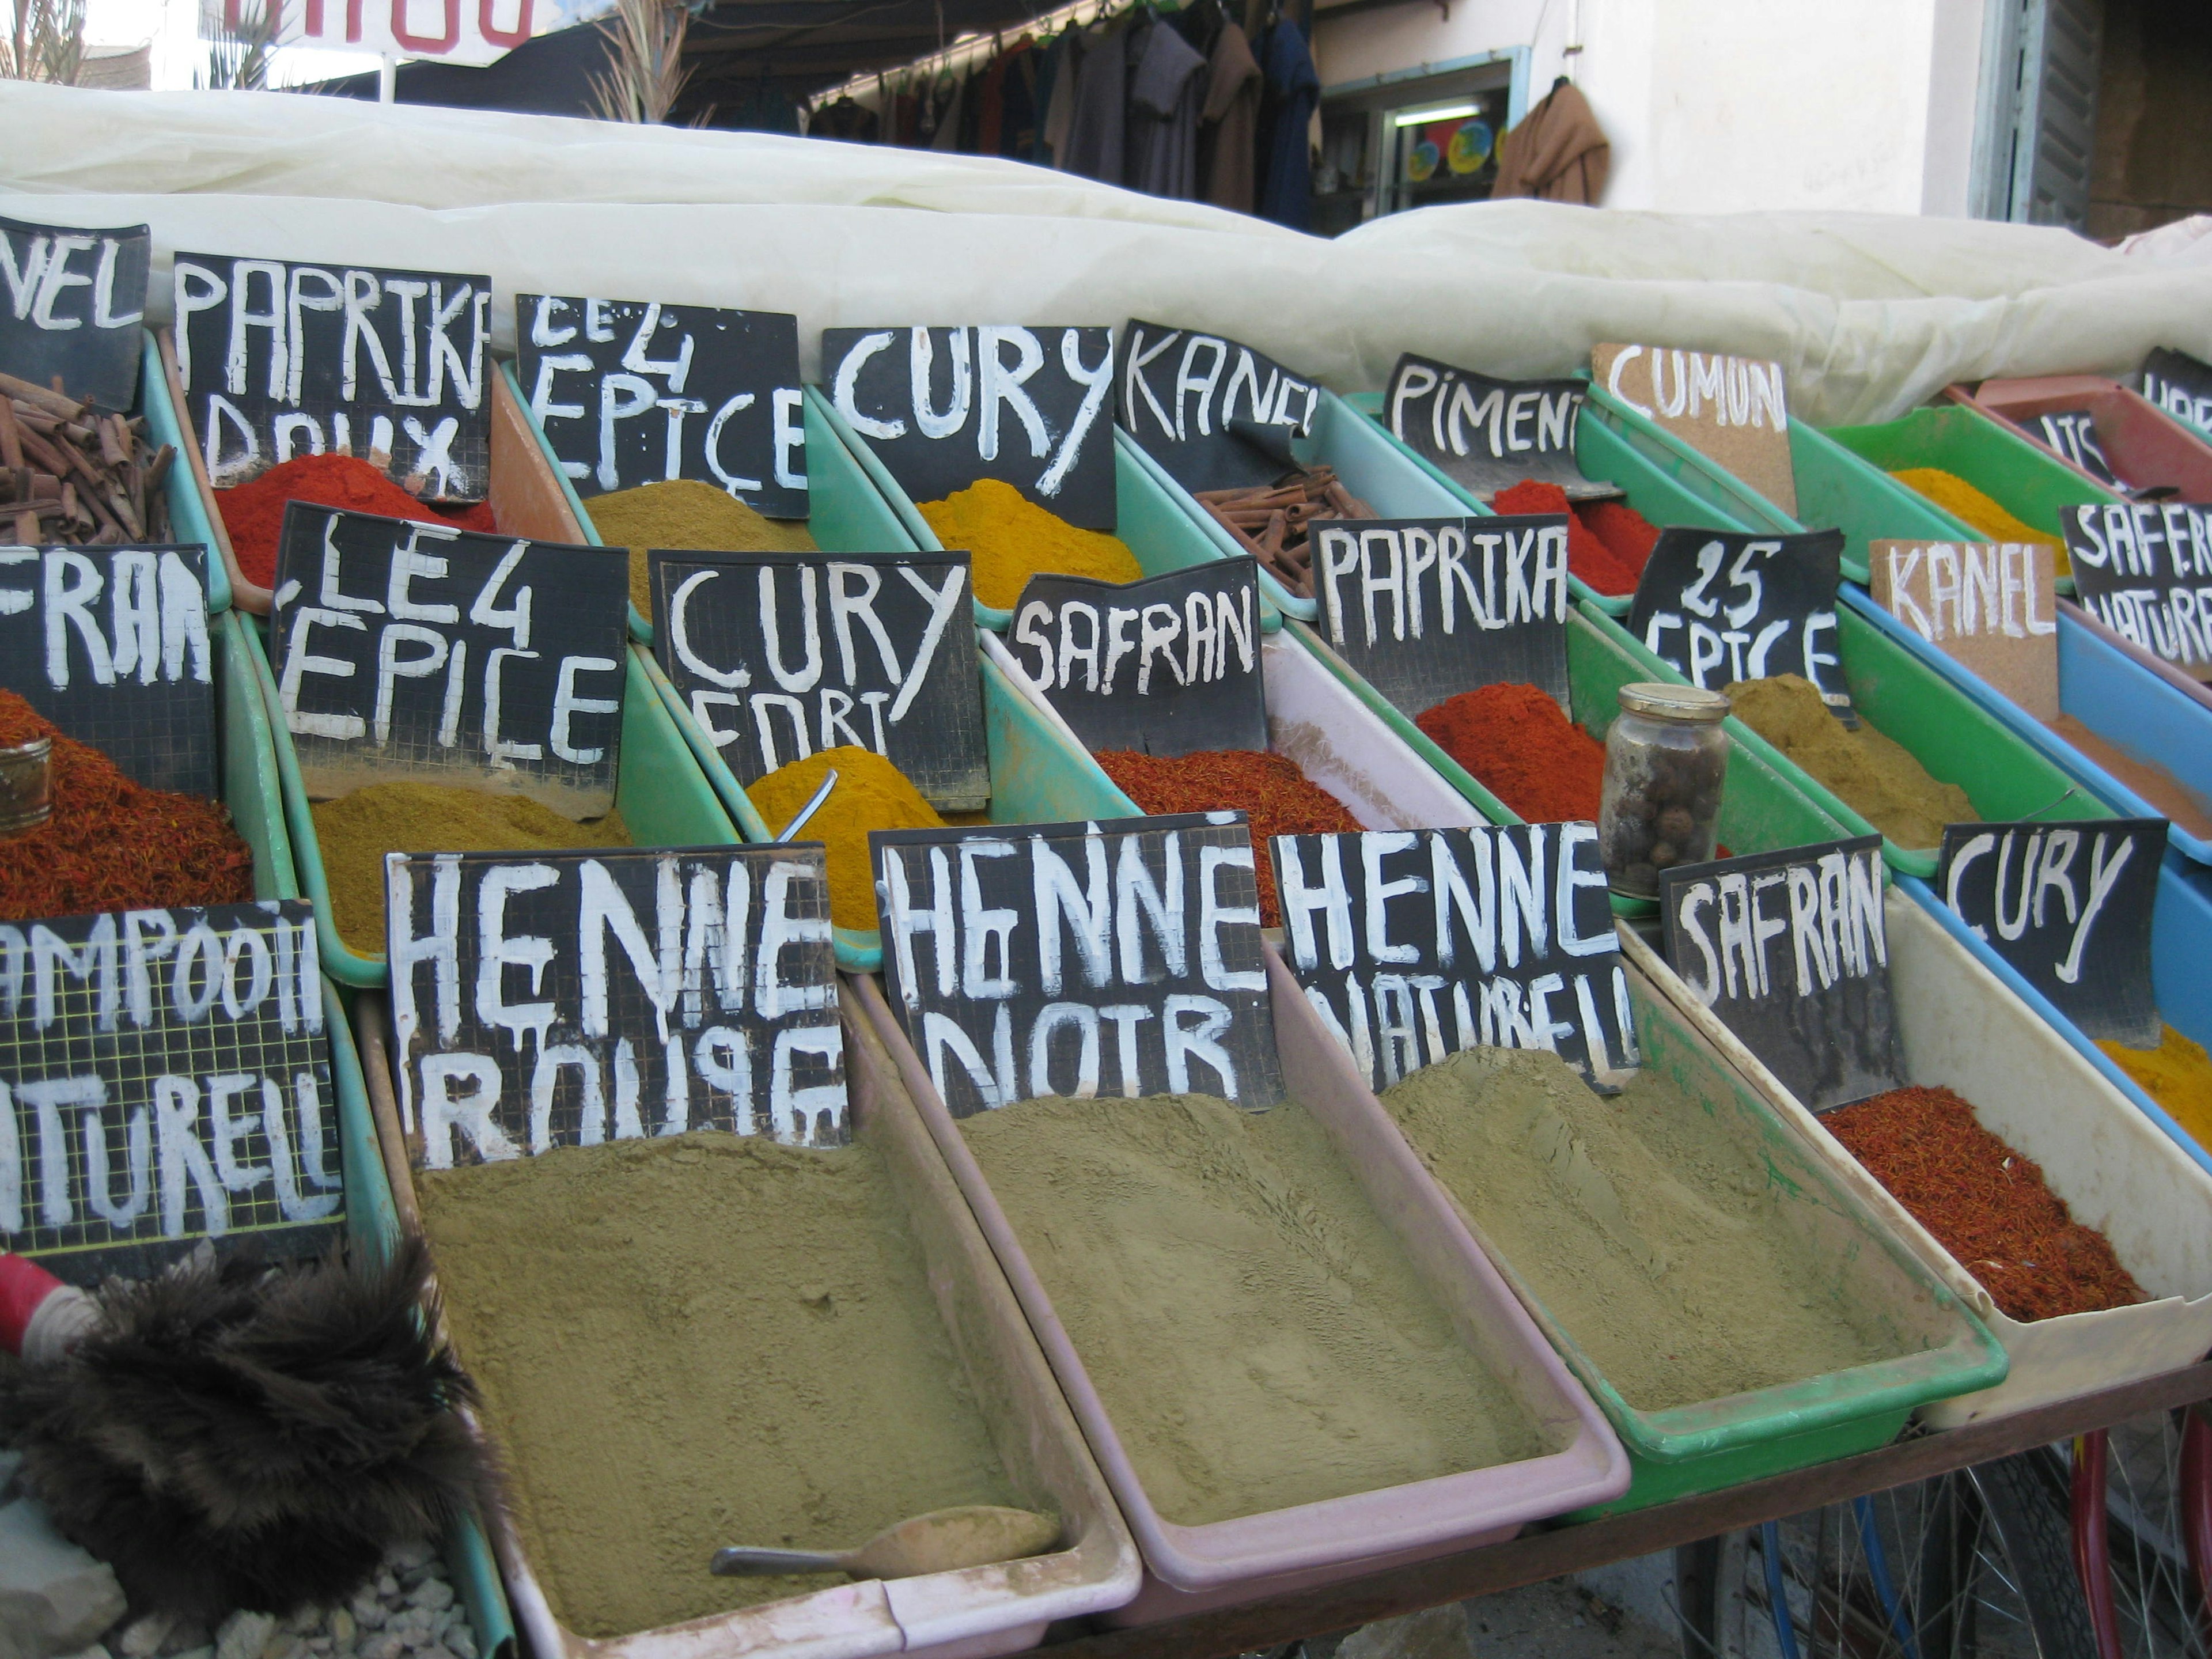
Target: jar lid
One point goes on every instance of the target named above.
(1665, 702)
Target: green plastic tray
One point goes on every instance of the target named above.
(1037, 776)
(187, 512)
(659, 790)
(1921, 707)
(844, 512)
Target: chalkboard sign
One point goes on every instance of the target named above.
(944, 407)
(779, 654)
(75, 307)
(572, 999)
(1489, 435)
(632, 392)
(2072, 432)
(1412, 944)
(1120, 958)
(1215, 414)
(1731, 409)
(1167, 667)
(164, 1078)
(1986, 605)
(1428, 608)
(1790, 949)
(280, 358)
(1722, 605)
(406, 650)
(2180, 385)
(2068, 905)
(2145, 569)
(110, 645)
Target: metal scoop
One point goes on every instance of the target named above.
(813, 805)
(943, 1540)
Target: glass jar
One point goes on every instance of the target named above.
(1665, 761)
(25, 795)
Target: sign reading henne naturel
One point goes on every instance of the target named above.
(1120, 958)
(1986, 605)
(1215, 414)
(1731, 409)
(281, 358)
(1412, 944)
(572, 999)
(2144, 569)
(75, 307)
(164, 1078)
(944, 407)
(1427, 608)
(1722, 605)
(407, 650)
(1167, 667)
(779, 654)
(110, 645)
(1485, 434)
(1790, 949)
(2068, 906)
(630, 392)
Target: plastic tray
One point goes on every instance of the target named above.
(2147, 447)
(968, 1614)
(1963, 1029)
(663, 799)
(1685, 1449)
(1188, 1568)
(2182, 681)
(188, 521)
(1039, 774)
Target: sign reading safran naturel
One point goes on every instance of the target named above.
(631, 392)
(2144, 568)
(1489, 435)
(1720, 606)
(164, 1078)
(75, 304)
(281, 358)
(779, 654)
(1731, 409)
(1215, 414)
(572, 999)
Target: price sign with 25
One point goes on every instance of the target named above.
(1720, 606)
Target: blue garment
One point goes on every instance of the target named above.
(1286, 108)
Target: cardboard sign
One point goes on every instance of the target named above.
(943, 407)
(2072, 433)
(164, 1078)
(1414, 943)
(1986, 605)
(633, 392)
(572, 999)
(281, 359)
(779, 654)
(75, 307)
(1790, 949)
(1489, 435)
(1167, 667)
(408, 650)
(1731, 409)
(2068, 905)
(1722, 605)
(1215, 414)
(110, 645)
(1428, 608)
(2180, 385)
(2144, 568)
(440, 31)
(1120, 958)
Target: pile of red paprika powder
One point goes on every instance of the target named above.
(1524, 749)
(1276, 799)
(1986, 1204)
(253, 513)
(1608, 542)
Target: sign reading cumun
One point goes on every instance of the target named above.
(779, 655)
(944, 407)
(1214, 414)
(75, 307)
(1489, 435)
(1120, 958)
(631, 392)
(164, 1078)
(1412, 944)
(110, 645)
(573, 999)
(281, 358)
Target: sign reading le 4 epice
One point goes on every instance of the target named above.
(451, 31)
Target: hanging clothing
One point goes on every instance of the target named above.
(1052, 74)
(1018, 101)
(951, 113)
(1286, 111)
(845, 119)
(1095, 126)
(1068, 55)
(1558, 152)
(1167, 91)
(1229, 121)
